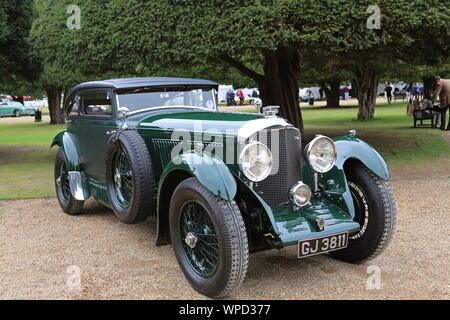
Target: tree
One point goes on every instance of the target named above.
(55, 45)
(408, 31)
(16, 62)
(264, 41)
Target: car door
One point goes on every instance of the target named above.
(4, 109)
(96, 117)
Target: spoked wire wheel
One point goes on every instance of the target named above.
(122, 177)
(200, 243)
(209, 239)
(62, 186)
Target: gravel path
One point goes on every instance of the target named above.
(22, 119)
(117, 261)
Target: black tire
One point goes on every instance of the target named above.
(376, 213)
(67, 202)
(17, 113)
(230, 234)
(141, 195)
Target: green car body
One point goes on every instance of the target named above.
(15, 109)
(271, 220)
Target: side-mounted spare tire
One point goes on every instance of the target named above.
(129, 177)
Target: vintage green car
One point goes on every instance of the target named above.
(15, 109)
(219, 184)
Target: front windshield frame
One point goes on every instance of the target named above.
(167, 89)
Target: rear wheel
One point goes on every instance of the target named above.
(16, 113)
(67, 202)
(209, 239)
(375, 212)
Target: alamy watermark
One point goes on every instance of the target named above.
(73, 281)
(374, 21)
(74, 19)
(374, 280)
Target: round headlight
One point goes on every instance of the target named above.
(255, 161)
(300, 194)
(321, 154)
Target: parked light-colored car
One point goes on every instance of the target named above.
(15, 109)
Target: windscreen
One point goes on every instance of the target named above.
(145, 98)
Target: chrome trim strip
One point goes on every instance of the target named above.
(79, 186)
(253, 126)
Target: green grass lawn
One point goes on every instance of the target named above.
(26, 161)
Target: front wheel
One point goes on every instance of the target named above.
(209, 239)
(375, 212)
(16, 113)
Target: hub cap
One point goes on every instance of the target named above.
(122, 176)
(200, 244)
(191, 240)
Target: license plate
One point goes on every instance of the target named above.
(312, 247)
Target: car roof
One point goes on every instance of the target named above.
(128, 83)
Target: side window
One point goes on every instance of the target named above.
(96, 103)
(74, 106)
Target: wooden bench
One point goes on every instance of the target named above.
(398, 95)
(421, 115)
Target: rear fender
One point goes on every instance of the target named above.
(79, 186)
(65, 141)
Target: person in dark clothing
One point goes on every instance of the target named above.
(388, 90)
(230, 98)
(255, 94)
(321, 93)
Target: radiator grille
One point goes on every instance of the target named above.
(285, 145)
(163, 148)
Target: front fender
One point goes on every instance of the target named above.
(65, 141)
(210, 171)
(334, 182)
(353, 148)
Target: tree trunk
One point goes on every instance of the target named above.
(428, 84)
(354, 90)
(331, 89)
(366, 83)
(279, 86)
(54, 105)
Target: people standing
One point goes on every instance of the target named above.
(240, 95)
(321, 93)
(415, 91)
(388, 91)
(310, 97)
(255, 94)
(443, 92)
(346, 93)
(228, 95)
